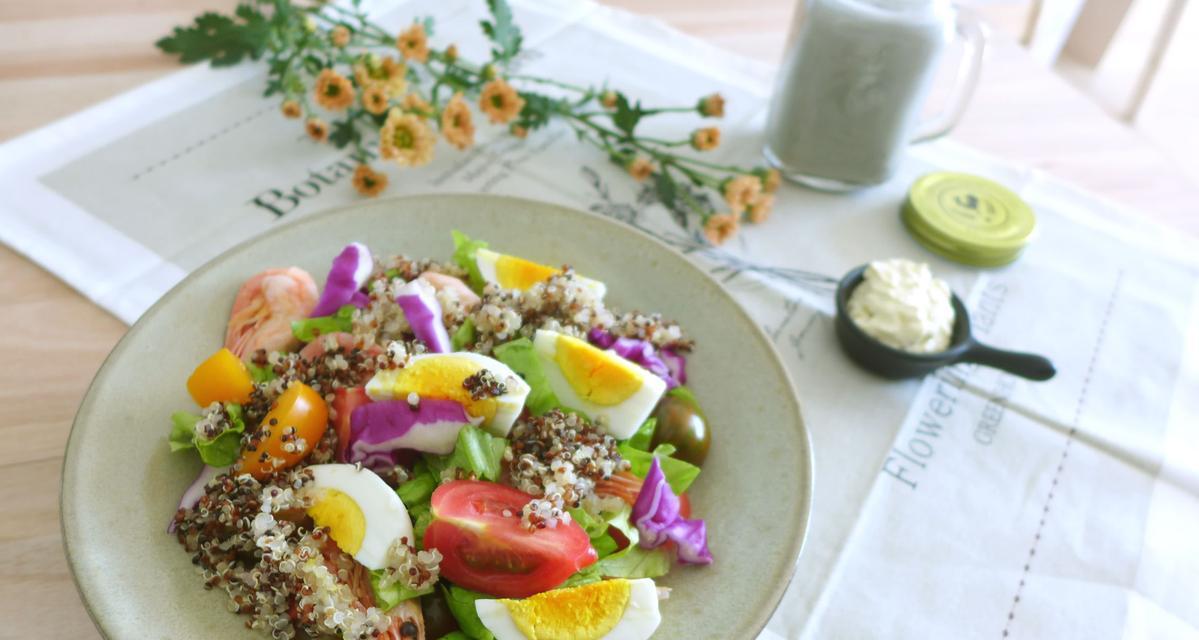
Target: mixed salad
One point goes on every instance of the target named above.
(473, 449)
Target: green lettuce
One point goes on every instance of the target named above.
(464, 256)
(265, 373)
(462, 605)
(220, 451)
(476, 451)
(391, 595)
(340, 322)
(679, 474)
(418, 487)
(464, 336)
(520, 357)
(644, 436)
(634, 562)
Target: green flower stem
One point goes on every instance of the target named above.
(550, 82)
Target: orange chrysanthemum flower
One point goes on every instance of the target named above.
(705, 139)
(389, 72)
(333, 91)
(500, 101)
(740, 191)
(339, 36)
(771, 179)
(413, 43)
(758, 209)
(456, 123)
(711, 106)
(608, 99)
(451, 53)
(291, 109)
(640, 168)
(317, 129)
(375, 98)
(416, 105)
(406, 139)
(369, 182)
(720, 227)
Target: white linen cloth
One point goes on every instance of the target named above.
(969, 504)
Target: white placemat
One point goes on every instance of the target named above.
(969, 504)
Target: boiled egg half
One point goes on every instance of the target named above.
(511, 272)
(607, 610)
(363, 514)
(598, 382)
(440, 376)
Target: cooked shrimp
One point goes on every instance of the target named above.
(265, 307)
(622, 484)
(331, 341)
(407, 619)
(441, 281)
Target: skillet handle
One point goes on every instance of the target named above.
(1025, 365)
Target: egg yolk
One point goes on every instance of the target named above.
(580, 613)
(517, 273)
(338, 511)
(594, 374)
(441, 378)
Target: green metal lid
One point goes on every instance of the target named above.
(968, 218)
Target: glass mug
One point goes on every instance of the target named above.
(851, 88)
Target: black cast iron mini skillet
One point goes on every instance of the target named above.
(895, 363)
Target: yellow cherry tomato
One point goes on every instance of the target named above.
(288, 432)
(221, 378)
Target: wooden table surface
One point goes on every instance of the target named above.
(59, 56)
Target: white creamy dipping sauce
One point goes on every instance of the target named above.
(900, 304)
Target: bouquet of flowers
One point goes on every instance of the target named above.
(350, 81)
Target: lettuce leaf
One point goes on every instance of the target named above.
(464, 256)
(520, 357)
(462, 605)
(634, 562)
(220, 451)
(308, 330)
(678, 473)
(644, 436)
(583, 576)
(475, 451)
(390, 596)
(418, 487)
(464, 336)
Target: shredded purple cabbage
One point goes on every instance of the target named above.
(642, 353)
(418, 299)
(196, 490)
(349, 273)
(656, 516)
(379, 429)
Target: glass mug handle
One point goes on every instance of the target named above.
(974, 38)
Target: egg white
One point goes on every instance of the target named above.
(487, 259)
(508, 406)
(623, 419)
(386, 518)
(640, 619)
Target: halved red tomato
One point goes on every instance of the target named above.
(345, 400)
(476, 527)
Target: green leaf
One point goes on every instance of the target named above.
(521, 358)
(391, 595)
(480, 452)
(645, 434)
(538, 110)
(265, 373)
(344, 133)
(422, 517)
(183, 430)
(464, 256)
(224, 449)
(502, 31)
(586, 575)
(220, 39)
(464, 336)
(626, 116)
(597, 529)
(679, 474)
(665, 188)
(633, 562)
(462, 605)
(418, 487)
(308, 330)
